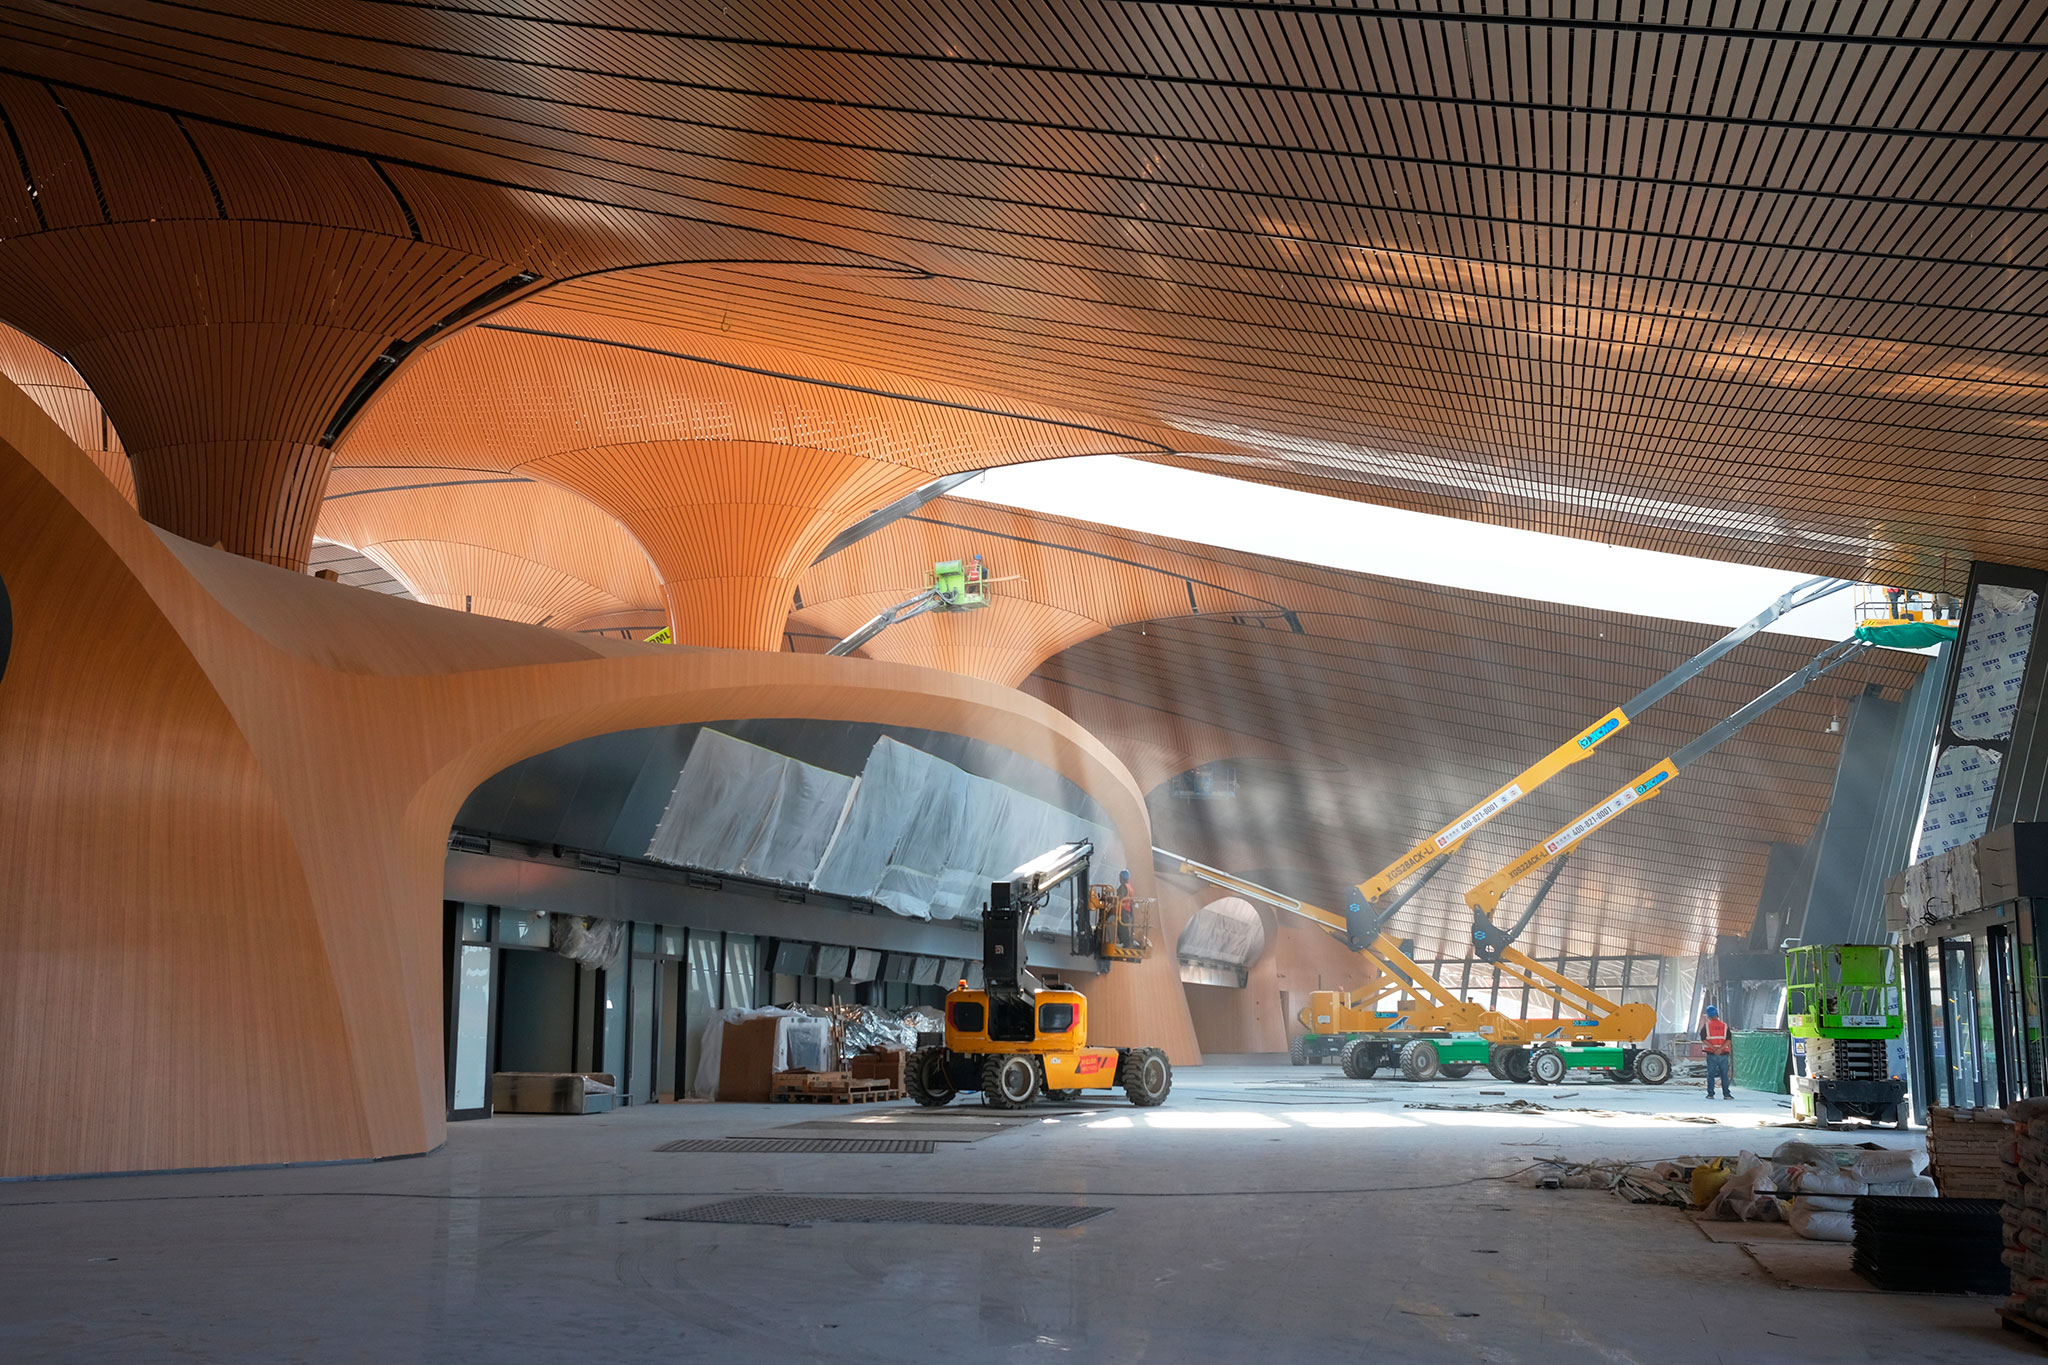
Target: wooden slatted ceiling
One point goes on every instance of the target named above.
(731, 473)
(59, 391)
(355, 570)
(224, 291)
(493, 545)
(1402, 713)
(1765, 286)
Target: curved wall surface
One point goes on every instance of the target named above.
(229, 799)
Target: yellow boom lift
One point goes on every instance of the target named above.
(1430, 1031)
(1547, 1059)
(1377, 905)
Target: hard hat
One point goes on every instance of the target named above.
(1713, 1013)
(1124, 875)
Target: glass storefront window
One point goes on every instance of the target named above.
(523, 928)
(1937, 1025)
(472, 1029)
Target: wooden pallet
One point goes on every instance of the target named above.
(859, 1092)
(2025, 1326)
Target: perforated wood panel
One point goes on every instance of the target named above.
(1764, 286)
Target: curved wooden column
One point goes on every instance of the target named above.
(223, 385)
(510, 548)
(225, 293)
(730, 525)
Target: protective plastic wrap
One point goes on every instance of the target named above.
(912, 833)
(580, 938)
(806, 1045)
(743, 809)
(925, 838)
(1227, 930)
(862, 1026)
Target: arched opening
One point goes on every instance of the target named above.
(1220, 943)
(607, 900)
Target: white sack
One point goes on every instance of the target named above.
(1821, 1225)
(1884, 1168)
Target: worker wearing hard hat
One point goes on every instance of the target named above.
(1720, 1053)
(1126, 910)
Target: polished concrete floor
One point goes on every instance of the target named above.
(1265, 1214)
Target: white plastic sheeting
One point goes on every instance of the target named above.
(743, 809)
(1225, 930)
(912, 833)
(925, 838)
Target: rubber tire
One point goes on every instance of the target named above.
(1010, 1068)
(1458, 1071)
(1515, 1062)
(1148, 1077)
(1653, 1067)
(919, 1075)
(1493, 1066)
(1361, 1059)
(1419, 1061)
(1297, 1050)
(1624, 1073)
(1548, 1068)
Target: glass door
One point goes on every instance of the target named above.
(1960, 1010)
(2000, 980)
(472, 981)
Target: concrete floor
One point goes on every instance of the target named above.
(1264, 1214)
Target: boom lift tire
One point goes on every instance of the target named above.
(1419, 1061)
(1361, 1059)
(1458, 1071)
(1009, 1082)
(1547, 1067)
(1147, 1077)
(928, 1080)
(1652, 1067)
(1297, 1050)
(1515, 1061)
(1493, 1062)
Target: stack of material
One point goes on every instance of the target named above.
(1964, 1149)
(1930, 1246)
(2025, 1207)
(879, 1064)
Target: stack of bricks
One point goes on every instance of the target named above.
(2024, 1153)
(1965, 1150)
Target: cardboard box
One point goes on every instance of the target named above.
(746, 1061)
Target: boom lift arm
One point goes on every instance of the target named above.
(1497, 945)
(1440, 1007)
(1446, 840)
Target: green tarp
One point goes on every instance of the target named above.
(1762, 1060)
(1907, 634)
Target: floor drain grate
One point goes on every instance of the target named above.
(816, 1146)
(789, 1211)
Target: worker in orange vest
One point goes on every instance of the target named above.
(1720, 1055)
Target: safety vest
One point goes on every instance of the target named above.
(1717, 1037)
